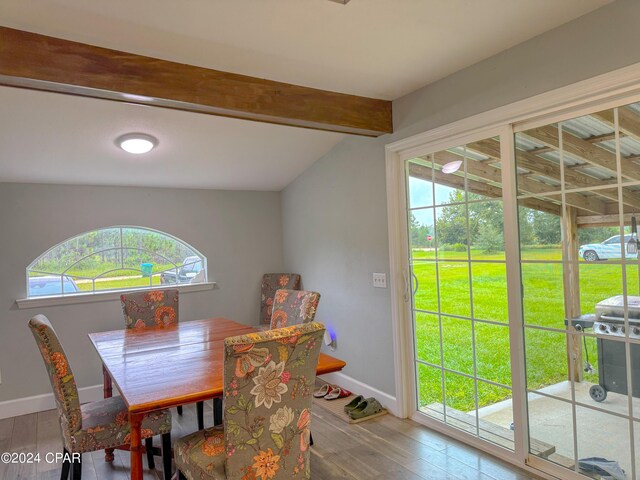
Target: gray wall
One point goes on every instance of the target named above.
(334, 214)
(240, 233)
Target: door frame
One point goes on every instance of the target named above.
(607, 90)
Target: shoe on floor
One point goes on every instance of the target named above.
(337, 392)
(323, 390)
(366, 408)
(353, 403)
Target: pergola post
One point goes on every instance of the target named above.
(571, 284)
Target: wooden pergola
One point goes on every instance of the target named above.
(585, 147)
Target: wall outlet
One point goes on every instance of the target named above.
(380, 280)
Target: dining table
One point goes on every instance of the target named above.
(158, 368)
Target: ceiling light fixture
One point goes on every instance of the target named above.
(137, 143)
(452, 167)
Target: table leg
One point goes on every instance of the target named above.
(108, 392)
(135, 421)
(217, 411)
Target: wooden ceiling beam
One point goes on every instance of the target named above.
(479, 188)
(584, 150)
(609, 220)
(548, 169)
(591, 203)
(628, 121)
(455, 181)
(475, 168)
(50, 64)
(488, 172)
(540, 166)
(541, 205)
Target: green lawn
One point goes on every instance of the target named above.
(130, 282)
(95, 270)
(543, 306)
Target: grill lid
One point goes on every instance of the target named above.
(613, 307)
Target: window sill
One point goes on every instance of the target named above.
(101, 296)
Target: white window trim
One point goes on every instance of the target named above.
(90, 297)
(604, 91)
(105, 295)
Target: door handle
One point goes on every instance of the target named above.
(417, 282)
(405, 279)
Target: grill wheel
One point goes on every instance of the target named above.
(598, 393)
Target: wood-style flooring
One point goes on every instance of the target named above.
(382, 448)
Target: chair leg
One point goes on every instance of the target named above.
(200, 408)
(310, 439)
(76, 471)
(166, 455)
(179, 408)
(148, 446)
(217, 411)
(181, 476)
(66, 465)
(108, 455)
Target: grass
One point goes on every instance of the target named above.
(95, 270)
(129, 282)
(543, 306)
(133, 277)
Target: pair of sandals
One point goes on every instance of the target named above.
(331, 392)
(361, 407)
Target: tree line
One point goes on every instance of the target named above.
(113, 247)
(485, 225)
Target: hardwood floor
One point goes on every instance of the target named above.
(382, 448)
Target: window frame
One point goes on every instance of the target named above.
(110, 294)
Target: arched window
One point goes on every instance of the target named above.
(114, 258)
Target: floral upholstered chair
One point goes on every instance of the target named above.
(98, 425)
(268, 382)
(155, 309)
(292, 307)
(270, 283)
(152, 308)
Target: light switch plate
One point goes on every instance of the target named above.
(380, 280)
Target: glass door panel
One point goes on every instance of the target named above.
(459, 303)
(578, 196)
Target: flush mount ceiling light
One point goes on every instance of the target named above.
(452, 167)
(136, 143)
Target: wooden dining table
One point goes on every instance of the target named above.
(159, 368)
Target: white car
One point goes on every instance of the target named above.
(187, 273)
(609, 249)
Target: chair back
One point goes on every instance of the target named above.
(151, 308)
(293, 307)
(270, 283)
(63, 383)
(268, 381)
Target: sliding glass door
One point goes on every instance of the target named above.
(578, 196)
(459, 302)
(573, 204)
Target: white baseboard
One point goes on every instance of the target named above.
(359, 388)
(40, 403)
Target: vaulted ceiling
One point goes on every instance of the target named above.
(375, 48)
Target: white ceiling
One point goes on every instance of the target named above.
(377, 48)
(53, 138)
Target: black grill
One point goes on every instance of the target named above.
(609, 328)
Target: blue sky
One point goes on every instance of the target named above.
(421, 195)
